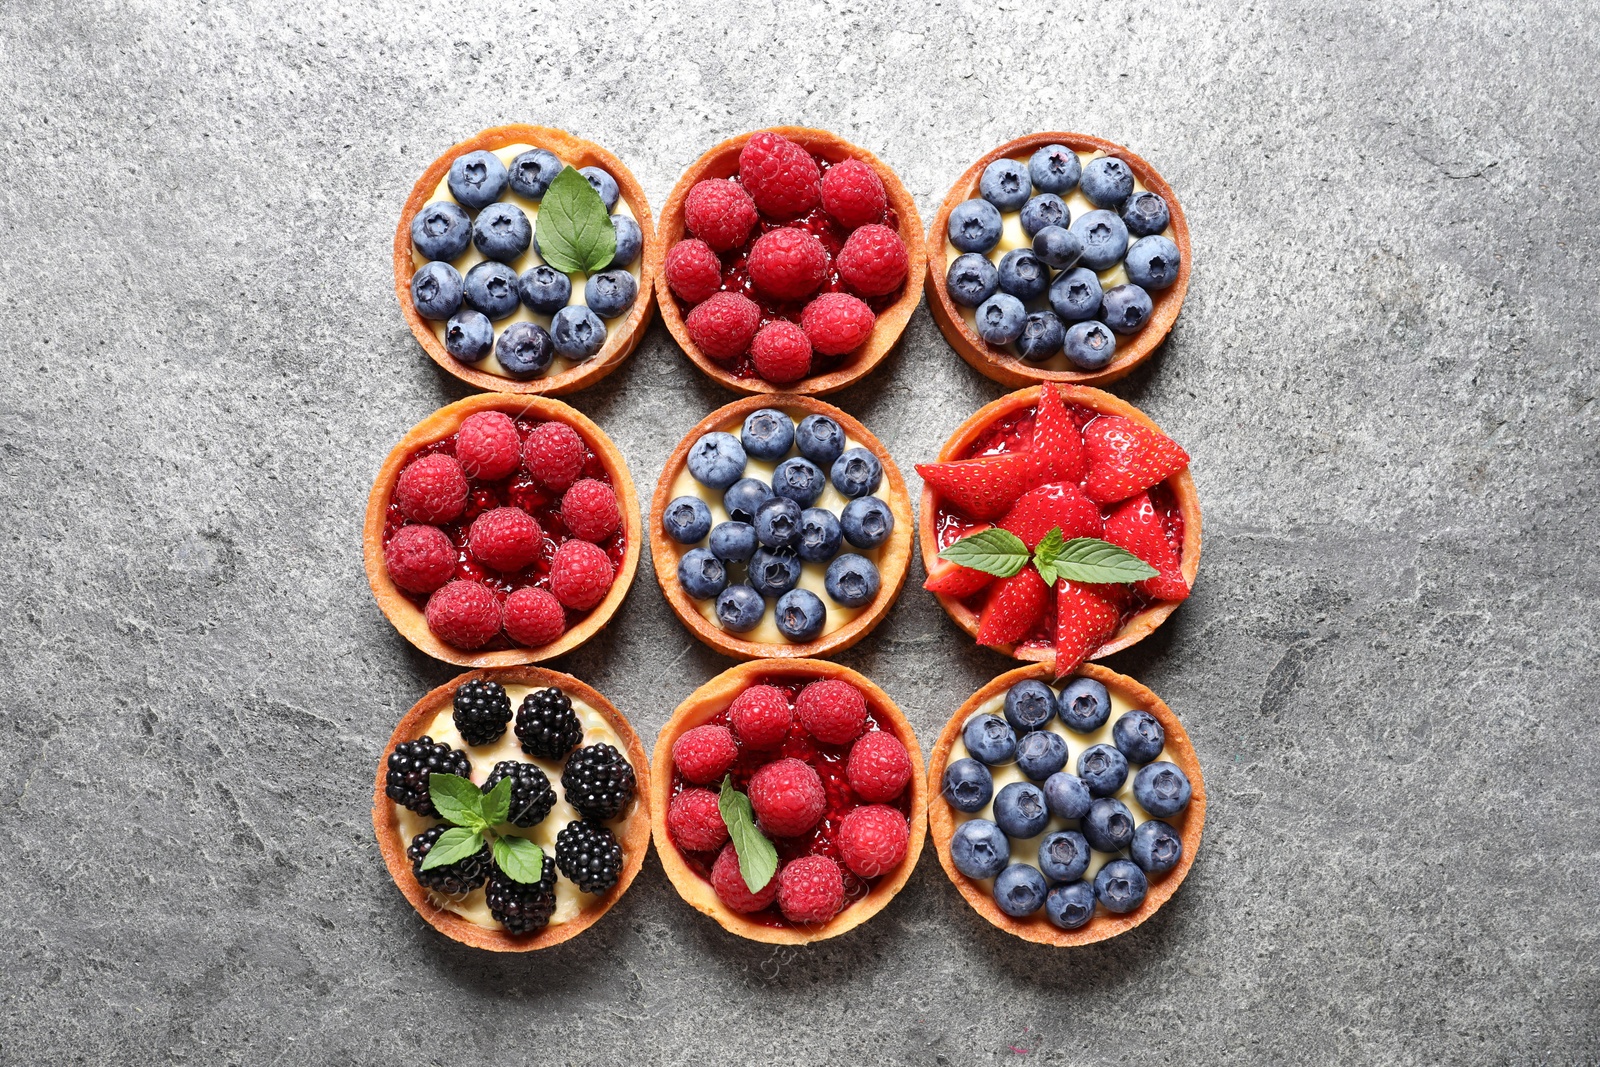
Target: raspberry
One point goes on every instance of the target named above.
(704, 753)
(720, 213)
(853, 194)
(872, 839)
(553, 454)
(507, 539)
(695, 821)
(590, 510)
(780, 176)
(761, 716)
(787, 797)
(534, 617)
(464, 615)
(837, 323)
(419, 558)
(431, 489)
(723, 326)
(788, 264)
(693, 271)
(810, 889)
(580, 575)
(730, 887)
(487, 446)
(833, 710)
(873, 261)
(878, 768)
(781, 352)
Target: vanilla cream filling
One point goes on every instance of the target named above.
(570, 902)
(529, 259)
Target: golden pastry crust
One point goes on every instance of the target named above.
(723, 161)
(407, 617)
(893, 563)
(1143, 623)
(633, 832)
(705, 704)
(623, 336)
(1037, 928)
(1006, 368)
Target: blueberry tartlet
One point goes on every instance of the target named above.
(789, 261)
(1058, 257)
(780, 527)
(788, 801)
(510, 296)
(501, 530)
(1065, 810)
(512, 807)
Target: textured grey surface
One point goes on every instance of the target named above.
(1385, 373)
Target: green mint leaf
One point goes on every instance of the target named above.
(575, 233)
(458, 800)
(1089, 559)
(993, 551)
(520, 859)
(497, 803)
(758, 859)
(1046, 555)
(456, 843)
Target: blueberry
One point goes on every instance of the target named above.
(441, 230)
(1057, 247)
(1020, 810)
(739, 608)
(477, 179)
(1041, 754)
(532, 172)
(1161, 788)
(1064, 856)
(1042, 336)
(967, 785)
(1152, 263)
(1107, 181)
(820, 535)
(1075, 295)
(773, 574)
(1089, 345)
(1084, 705)
(1029, 705)
(1120, 886)
(1046, 209)
(716, 460)
(468, 336)
(777, 522)
(852, 581)
(502, 232)
(989, 739)
(867, 522)
(819, 439)
(1138, 735)
(1125, 309)
(1145, 213)
(1103, 769)
(491, 288)
(1156, 847)
(687, 520)
(436, 290)
(1109, 825)
(1019, 890)
(1067, 796)
(610, 293)
(975, 226)
(734, 542)
(979, 849)
(857, 473)
(1000, 318)
(701, 574)
(800, 615)
(577, 332)
(602, 183)
(544, 289)
(525, 350)
(767, 434)
(799, 480)
(1023, 274)
(1071, 905)
(630, 239)
(971, 279)
(1005, 184)
(1054, 168)
(1104, 239)
(744, 497)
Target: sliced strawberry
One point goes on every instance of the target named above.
(1013, 609)
(1057, 443)
(1085, 618)
(1038, 511)
(984, 487)
(1125, 458)
(954, 580)
(1137, 526)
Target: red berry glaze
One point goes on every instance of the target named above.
(419, 558)
(874, 261)
(488, 446)
(873, 839)
(810, 890)
(788, 797)
(695, 821)
(720, 213)
(788, 264)
(879, 767)
(853, 194)
(693, 271)
(724, 325)
(704, 754)
(580, 575)
(534, 617)
(780, 176)
(730, 887)
(464, 614)
(781, 352)
(760, 717)
(837, 323)
(432, 489)
(832, 710)
(590, 510)
(554, 455)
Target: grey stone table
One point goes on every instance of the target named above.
(1385, 372)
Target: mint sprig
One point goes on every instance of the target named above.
(474, 816)
(576, 235)
(758, 857)
(993, 551)
(1082, 559)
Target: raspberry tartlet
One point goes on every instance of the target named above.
(789, 261)
(788, 800)
(1058, 257)
(502, 530)
(781, 527)
(1069, 480)
(506, 300)
(1066, 811)
(575, 823)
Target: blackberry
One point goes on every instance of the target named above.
(589, 855)
(546, 724)
(532, 796)
(482, 711)
(409, 766)
(598, 781)
(521, 907)
(453, 879)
